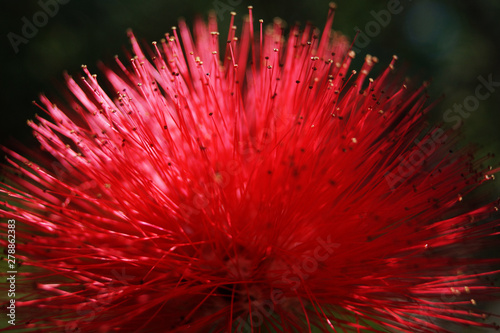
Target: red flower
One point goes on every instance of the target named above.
(191, 193)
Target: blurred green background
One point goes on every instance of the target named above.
(447, 41)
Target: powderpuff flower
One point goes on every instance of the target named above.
(260, 187)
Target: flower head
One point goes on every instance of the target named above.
(263, 186)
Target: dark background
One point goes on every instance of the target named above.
(447, 41)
